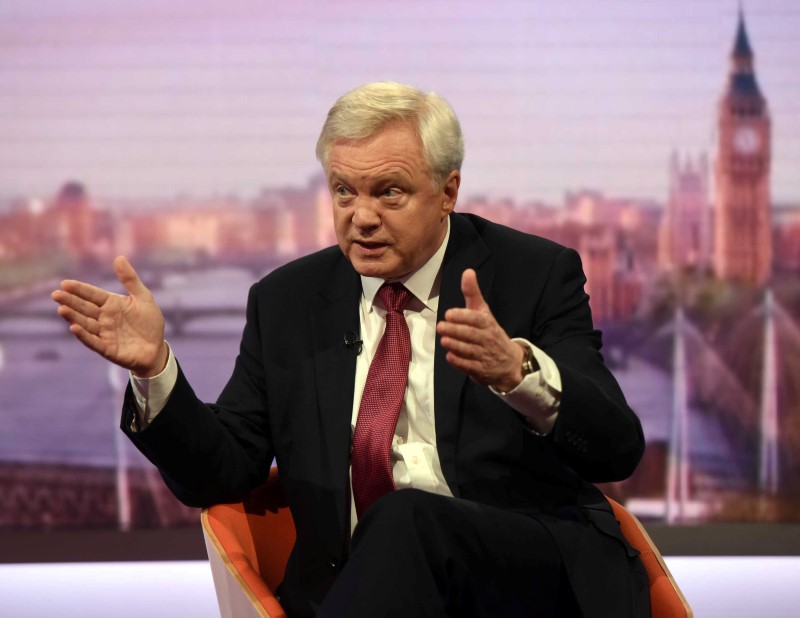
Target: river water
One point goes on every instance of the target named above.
(60, 403)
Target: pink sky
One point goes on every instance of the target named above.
(139, 97)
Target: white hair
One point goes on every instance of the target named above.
(366, 110)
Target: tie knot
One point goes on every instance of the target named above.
(395, 296)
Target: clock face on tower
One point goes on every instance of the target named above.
(746, 140)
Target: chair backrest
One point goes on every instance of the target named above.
(666, 599)
(248, 546)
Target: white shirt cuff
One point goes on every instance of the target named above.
(151, 394)
(538, 396)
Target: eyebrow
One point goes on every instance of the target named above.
(391, 179)
(382, 180)
(334, 176)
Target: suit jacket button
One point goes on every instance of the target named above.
(332, 565)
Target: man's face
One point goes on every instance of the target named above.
(389, 217)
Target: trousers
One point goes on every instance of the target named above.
(423, 555)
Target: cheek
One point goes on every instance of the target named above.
(340, 219)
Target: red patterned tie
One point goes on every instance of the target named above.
(380, 403)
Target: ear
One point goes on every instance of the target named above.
(450, 192)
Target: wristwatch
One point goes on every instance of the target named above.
(529, 364)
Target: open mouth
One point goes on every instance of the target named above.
(366, 248)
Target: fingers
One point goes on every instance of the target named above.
(474, 361)
(93, 342)
(476, 344)
(468, 317)
(466, 327)
(128, 277)
(468, 366)
(84, 336)
(76, 318)
(81, 307)
(471, 343)
(79, 289)
(471, 291)
(471, 367)
(76, 303)
(462, 348)
(463, 331)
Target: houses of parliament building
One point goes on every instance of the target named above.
(734, 240)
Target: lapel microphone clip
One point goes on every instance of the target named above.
(352, 341)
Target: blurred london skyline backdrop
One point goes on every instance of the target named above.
(659, 139)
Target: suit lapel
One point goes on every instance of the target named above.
(465, 249)
(334, 314)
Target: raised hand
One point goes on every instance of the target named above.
(475, 342)
(127, 330)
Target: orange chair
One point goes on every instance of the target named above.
(666, 599)
(248, 545)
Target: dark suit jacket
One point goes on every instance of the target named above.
(291, 392)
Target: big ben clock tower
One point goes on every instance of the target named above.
(742, 221)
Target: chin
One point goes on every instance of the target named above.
(371, 271)
(366, 268)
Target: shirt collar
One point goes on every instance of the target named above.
(423, 283)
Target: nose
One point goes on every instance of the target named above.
(366, 216)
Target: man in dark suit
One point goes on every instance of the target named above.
(431, 352)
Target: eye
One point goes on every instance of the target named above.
(391, 192)
(342, 192)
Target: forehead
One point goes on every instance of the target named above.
(394, 148)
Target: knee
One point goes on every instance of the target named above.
(404, 514)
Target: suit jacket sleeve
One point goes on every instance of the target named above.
(212, 453)
(596, 433)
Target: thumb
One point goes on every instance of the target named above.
(128, 277)
(471, 291)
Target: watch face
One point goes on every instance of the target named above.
(746, 140)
